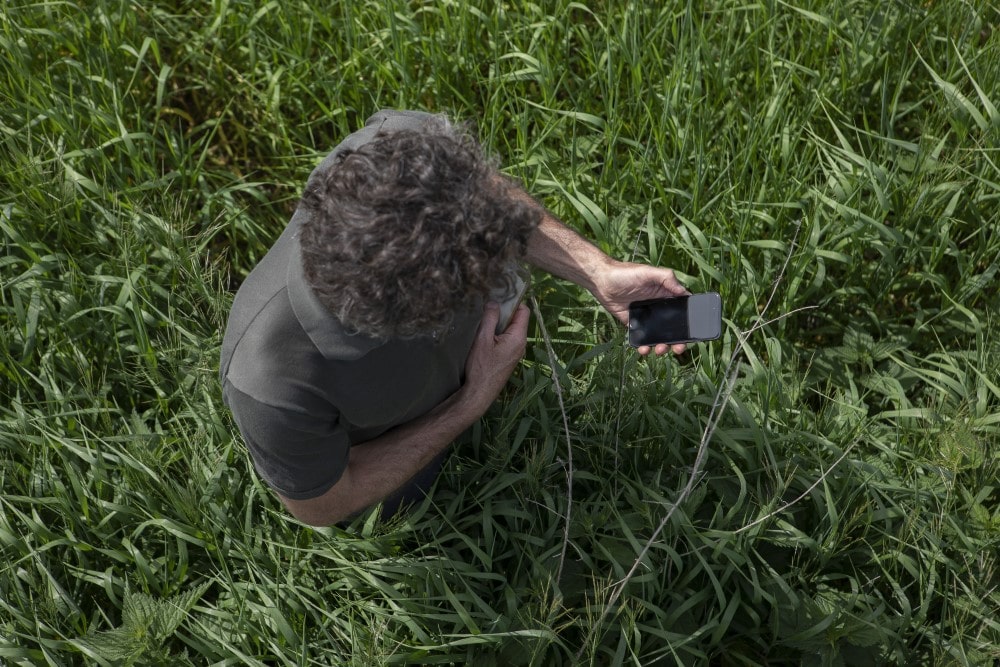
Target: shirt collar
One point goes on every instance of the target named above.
(324, 330)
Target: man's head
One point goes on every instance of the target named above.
(411, 229)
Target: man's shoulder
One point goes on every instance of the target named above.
(268, 356)
(287, 353)
(255, 297)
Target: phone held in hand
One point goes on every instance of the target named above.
(682, 319)
(509, 297)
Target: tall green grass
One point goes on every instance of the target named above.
(842, 156)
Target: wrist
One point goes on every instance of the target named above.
(600, 276)
(470, 403)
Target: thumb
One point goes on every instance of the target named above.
(491, 315)
(519, 321)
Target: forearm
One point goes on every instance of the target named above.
(380, 466)
(557, 249)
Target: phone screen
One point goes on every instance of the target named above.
(662, 321)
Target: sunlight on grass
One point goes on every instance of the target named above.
(848, 507)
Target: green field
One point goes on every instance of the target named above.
(821, 486)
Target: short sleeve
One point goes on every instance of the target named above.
(297, 455)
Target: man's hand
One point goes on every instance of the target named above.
(562, 252)
(380, 466)
(620, 283)
(494, 357)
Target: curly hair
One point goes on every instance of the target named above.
(411, 229)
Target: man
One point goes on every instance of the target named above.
(364, 342)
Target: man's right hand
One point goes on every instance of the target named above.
(494, 357)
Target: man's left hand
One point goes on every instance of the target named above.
(621, 283)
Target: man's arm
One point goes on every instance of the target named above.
(380, 466)
(556, 248)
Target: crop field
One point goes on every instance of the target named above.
(820, 486)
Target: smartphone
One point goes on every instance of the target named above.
(681, 319)
(509, 297)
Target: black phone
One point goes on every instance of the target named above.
(680, 319)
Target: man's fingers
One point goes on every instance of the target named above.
(488, 325)
(519, 320)
(661, 349)
(669, 282)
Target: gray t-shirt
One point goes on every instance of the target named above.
(301, 389)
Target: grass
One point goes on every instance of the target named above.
(847, 506)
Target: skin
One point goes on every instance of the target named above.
(559, 250)
(380, 466)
